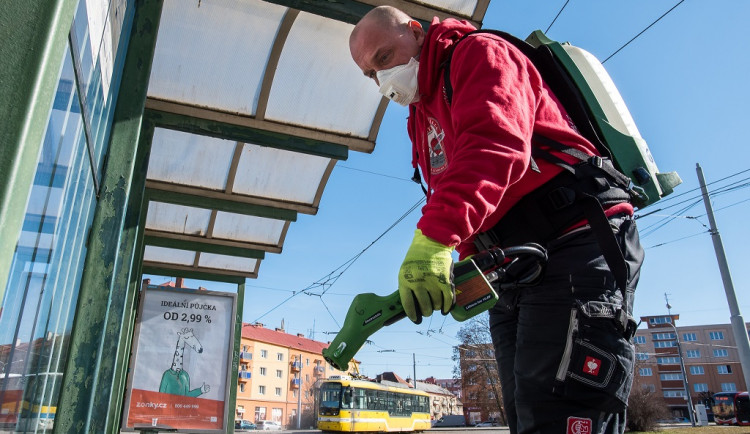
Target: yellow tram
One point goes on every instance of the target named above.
(348, 405)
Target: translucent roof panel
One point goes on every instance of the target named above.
(224, 262)
(164, 255)
(190, 159)
(213, 53)
(279, 174)
(317, 84)
(237, 227)
(177, 219)
(462, 7)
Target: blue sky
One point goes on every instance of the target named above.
(684, 81)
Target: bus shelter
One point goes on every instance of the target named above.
(169, 137)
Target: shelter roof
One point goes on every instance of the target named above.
(250, 106)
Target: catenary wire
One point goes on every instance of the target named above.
(345, 265)
(643, 31)
(556, 16)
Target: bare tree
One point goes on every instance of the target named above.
(477, 368)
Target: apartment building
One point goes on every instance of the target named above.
(277, 374)
(707, 352)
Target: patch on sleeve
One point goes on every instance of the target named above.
(579, 425)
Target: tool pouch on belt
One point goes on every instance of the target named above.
(597, 365)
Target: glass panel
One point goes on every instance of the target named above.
(248, 228)
(279, 174)
(462, 7)
(168, 256)
(332, 93)
(42, 289)
(213, 53)
(190, 159)
(177, 218)
(223, 262)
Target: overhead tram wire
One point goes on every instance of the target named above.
(328, 277)
(556, 16)
(643, 31)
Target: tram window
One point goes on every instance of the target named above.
(346, 399)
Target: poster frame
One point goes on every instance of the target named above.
(134, 357)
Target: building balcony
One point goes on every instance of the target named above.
(295, 383)
(296, 366)
(244, 376)
(246, 356)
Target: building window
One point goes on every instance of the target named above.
(645, 372)
(664, 336)
(667, 360)
(697, 370)
(242, 387)
(244, 348)
(639, 339)
(641, 356)
(700, 387)
(689, 337)
(716, 336)
(721, 353)
(728, 387)
(294, 393)
(693, 354)
(307, 378)
(670, 376)
(262, 371)
(665, 344)
(649, 387)
(263, 354)
(260, 413)
(279, 373)
(724, 369)
(674, 393)
(278, 391)
(280, 357)
(660, 320)
(307, 362)
(261, 390)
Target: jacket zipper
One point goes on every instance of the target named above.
(565, 362)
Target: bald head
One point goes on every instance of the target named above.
(385, 37)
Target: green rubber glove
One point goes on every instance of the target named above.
(425, 278)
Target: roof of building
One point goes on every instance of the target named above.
(258, 332)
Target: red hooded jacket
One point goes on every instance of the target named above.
(474, 154)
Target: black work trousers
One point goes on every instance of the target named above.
(565, 365)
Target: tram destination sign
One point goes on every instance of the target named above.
(182, 352)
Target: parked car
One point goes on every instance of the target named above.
(244, 424)
(450, 420)
(269, 425)
(486, 423)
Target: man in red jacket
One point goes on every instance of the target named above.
(563, 346)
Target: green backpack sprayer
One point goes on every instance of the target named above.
(599, 113)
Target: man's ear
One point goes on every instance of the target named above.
(417, 31)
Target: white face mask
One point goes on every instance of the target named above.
(399, 83)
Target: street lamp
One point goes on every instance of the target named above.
(684, 375)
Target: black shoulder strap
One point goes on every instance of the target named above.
(554, 76)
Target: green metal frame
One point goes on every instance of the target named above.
(89, 381)
(34, 35)
(204, 247)
(230, 206)
(223, 130)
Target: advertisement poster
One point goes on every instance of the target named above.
(180, 364)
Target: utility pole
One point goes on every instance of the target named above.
(414, 368)
(684, 373)
(738, 324)
(299, 394)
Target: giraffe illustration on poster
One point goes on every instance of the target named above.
(176, 380)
